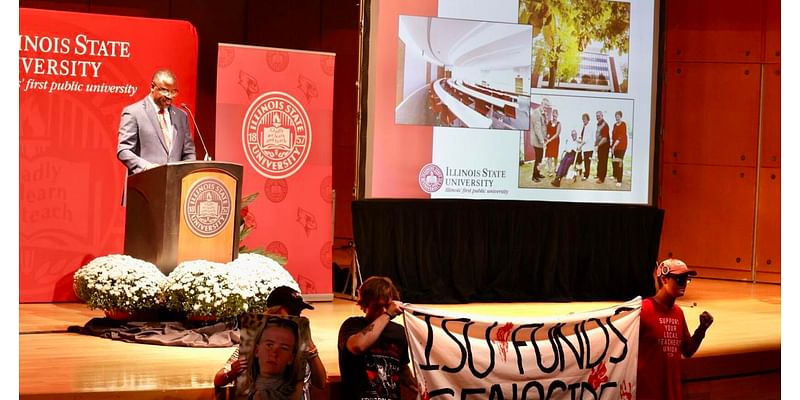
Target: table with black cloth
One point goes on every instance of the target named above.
(460, 251)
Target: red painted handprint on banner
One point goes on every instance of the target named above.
(598, 376)
(625, 390)
(502, 336)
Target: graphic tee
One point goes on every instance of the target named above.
(375, 374)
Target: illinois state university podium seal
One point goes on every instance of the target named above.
(276, 135)
(207, 208)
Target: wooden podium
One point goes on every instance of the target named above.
(184, 211)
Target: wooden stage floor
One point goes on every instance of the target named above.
(745, 340)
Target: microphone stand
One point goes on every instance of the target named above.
(197, 129)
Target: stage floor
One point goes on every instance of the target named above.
(745, 339)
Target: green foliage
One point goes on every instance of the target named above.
(248, 225)
(607, 22)
(246, 200)
(277, 257)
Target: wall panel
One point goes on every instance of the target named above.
(714, 30)
(772, 31)
(768, 226)
(709, 214)
(711, 113)
(771, 117)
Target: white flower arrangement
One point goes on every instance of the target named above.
(262, 275)
(199, 287)
(205, 288)
(119, 282)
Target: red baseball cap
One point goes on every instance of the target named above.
(673, 266)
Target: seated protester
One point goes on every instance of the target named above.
(571, 147)
(282, 300)
(373, 350)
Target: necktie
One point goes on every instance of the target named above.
(165, 130)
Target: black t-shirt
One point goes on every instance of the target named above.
(375, 374)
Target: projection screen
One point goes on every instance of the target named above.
(508, 99)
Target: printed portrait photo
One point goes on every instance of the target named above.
(272, 345)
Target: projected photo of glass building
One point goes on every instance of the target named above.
(596, 72)
(583, 45)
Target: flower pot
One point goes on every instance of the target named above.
(118, 315)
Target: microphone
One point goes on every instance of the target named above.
(197, 129)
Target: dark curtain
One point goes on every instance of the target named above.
(459, 251)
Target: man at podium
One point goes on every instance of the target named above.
(151, 131)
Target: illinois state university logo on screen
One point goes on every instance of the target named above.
(207, 208)
(276, 135)
(431, 178)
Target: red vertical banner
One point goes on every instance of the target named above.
(274, 116)
(76, 73)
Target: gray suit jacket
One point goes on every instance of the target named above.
(141, 143)
(538, 128)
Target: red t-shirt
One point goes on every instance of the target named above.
(662, 335)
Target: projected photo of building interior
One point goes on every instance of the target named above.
(462, 73)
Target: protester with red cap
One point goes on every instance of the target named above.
(283, 300)
(664, 336)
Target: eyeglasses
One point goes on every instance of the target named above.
(165, 91)
(681, 280)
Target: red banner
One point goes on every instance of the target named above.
(274, 116)
(76, 73)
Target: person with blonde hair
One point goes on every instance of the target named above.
(273, 373)
(285, 301)
(664, 336)
(373, 350)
